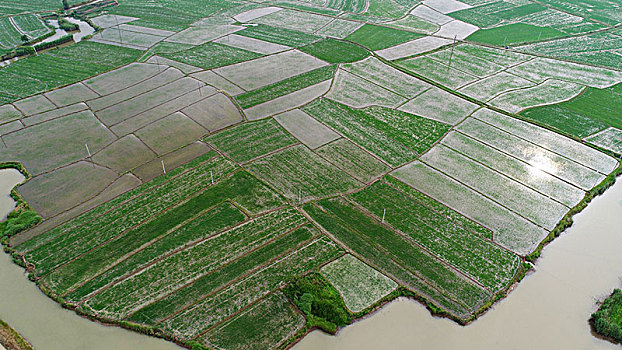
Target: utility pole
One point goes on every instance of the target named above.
(89, 153)
(163, 168)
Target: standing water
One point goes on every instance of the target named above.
(549, 309)
(42, 321)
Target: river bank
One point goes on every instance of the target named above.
(549, 309)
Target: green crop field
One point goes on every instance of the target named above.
(236, 174)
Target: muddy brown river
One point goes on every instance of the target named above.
(547, 310)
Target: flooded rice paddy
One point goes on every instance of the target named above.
(548, 310)
(44, 323)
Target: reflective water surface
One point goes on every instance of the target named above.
(43, 322)
(549, 309)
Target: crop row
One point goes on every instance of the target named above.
(188, 265)
(284, 87)
(216, 308)
(93, 233)
(394, 136)
(219, 278)
(103, 208)
(487, 263)
(393, 253)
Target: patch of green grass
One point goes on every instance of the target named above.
(394, 136)
(212, 55)
(377, 37)
(319, 301)
(515, 33)
(251, 140)
(586, 114)
(284, 87)
(281, 36)
(59, 67)
(520, 11)
(298, 173)
(336, 51)
(607, 321)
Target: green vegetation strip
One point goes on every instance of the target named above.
(394, 136)
(251, 140)
(212, 55)
(284, 87)
(515, 33)
(336, 51)
(376, 37)
(279, 36)
(11, 339)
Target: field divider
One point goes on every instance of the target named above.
(541, 146)
(150, 243)
(233, 260)
(142, 193)
(445, 216)
(281, 257)
(485, 196)
(505, 175)
(410, 239)
(389, 255)
(148, 219)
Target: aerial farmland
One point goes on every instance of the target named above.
(234, 174)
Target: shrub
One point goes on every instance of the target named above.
(607, 321)
(319, 301)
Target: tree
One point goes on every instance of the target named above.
(25, 38)
(65, 5)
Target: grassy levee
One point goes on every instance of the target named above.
(607, 320)
(11, 339)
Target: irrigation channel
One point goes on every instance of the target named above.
(44, 323)
(549, 309)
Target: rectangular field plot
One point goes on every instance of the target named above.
(509, 229)
(610, 139)
(444, 75)
(71, 94)
(286, 86)
(251, 140)
(281, 36)
(126, 38)
(465, 62)
(63, 188)
(274, 318)
(214, 113)
(201, 35)
(53, 114)
(295, 20)
(9, 37)
(175, 271)
(287, 102)
(531, 153)
(212, 55)
(499, 56)
(557, 143)
(360, 286)
(494, 85)
(394, 255)
(413, 47)
(490, 265)
(378, 38)
(9, 113)
(394, 136)
(172, 161)
(525, 173)
(306, 129)
(549, 92)
(268, 70)
(352, 159)
(339, 29)
(252, 14)
(511, 194)
(57, 142)
(415, 24)
(383, 75)
(121, 78)
(540, 69)
(216, 308)
(357, 92)
(440, 105)
(298, 173)
(124, 154)
(171, 133)
(251, 44)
